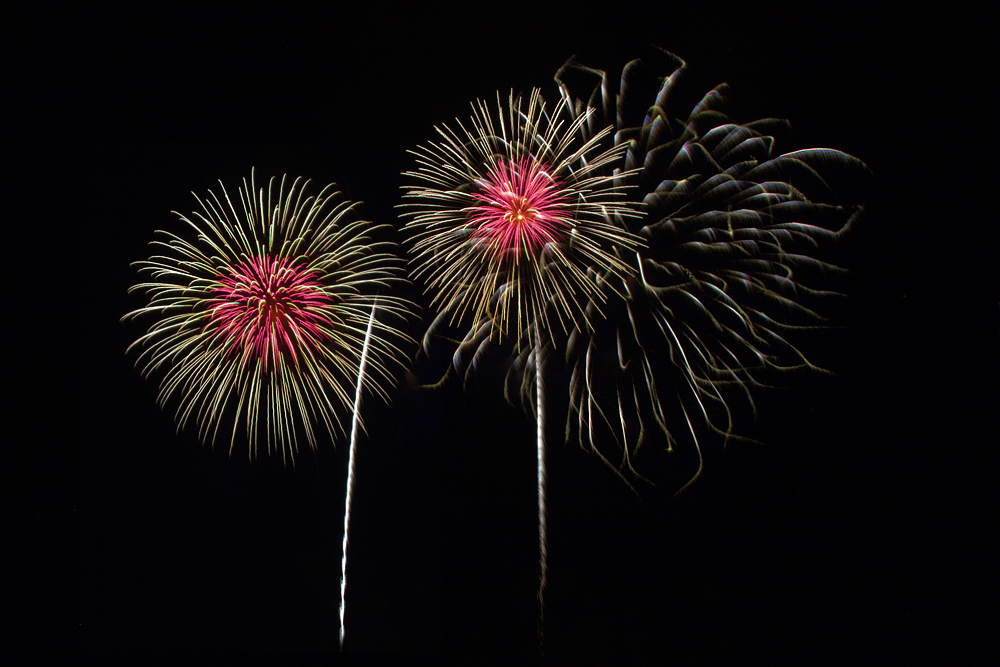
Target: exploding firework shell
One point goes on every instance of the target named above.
(732, 264)
(513, 217)
(262, 318)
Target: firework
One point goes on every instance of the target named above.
(512, 219)
(269, 318)
(261, 319)
(507, 217)
(733, 262)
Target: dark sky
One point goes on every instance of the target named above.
(855, 523)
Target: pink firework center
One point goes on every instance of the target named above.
(521, 208)
(267, 306)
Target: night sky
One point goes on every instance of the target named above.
(858, 522)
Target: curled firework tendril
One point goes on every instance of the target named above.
(262, 318)
(510, 216)
(735, 234)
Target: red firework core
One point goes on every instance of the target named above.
(521, 207)
(266, 306)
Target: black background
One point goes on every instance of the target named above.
(861, 522)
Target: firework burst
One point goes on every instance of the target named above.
(515, 225)
(508, 216)
(262, 319)
(733, 262)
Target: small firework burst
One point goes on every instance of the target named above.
(262, 319)
(508, 216)
(733, 262)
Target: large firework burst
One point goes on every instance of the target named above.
(510, 214)
(262, 319)
(733, 261)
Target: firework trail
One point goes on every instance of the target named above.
(349, 496)
(543, 517)
(268, 317)
(511, 217)
(732, 262)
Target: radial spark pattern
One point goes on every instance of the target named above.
(261, 319)
(736, 235)
(521, 209)
(509, 214)
(270, 308)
